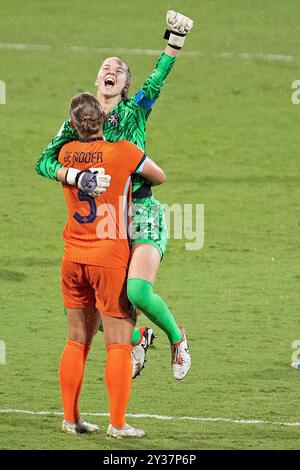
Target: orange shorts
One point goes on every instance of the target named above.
(85, 285)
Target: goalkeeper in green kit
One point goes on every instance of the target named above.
(126, 119)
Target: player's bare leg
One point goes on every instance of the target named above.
(143, 268)
(117, 330)
(82, 324)
(144, 262)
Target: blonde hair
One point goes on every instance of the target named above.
(86, 115)
(124, 93)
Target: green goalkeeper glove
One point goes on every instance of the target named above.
(178, 27)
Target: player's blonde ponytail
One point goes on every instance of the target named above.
(86, 115)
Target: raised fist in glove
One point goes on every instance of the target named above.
(93, 181)
(178, 27)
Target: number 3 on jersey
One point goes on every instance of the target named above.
(86, 219)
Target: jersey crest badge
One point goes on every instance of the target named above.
(114, 119)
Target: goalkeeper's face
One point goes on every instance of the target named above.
(112, 78)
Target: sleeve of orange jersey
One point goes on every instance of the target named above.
(132, 157)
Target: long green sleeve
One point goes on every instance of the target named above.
(154, 83)
(47, 165)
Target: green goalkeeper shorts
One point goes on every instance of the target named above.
(149, 223)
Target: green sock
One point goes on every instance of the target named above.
(136, 336)
(141, 295)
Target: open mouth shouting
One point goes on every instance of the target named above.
(109, 81)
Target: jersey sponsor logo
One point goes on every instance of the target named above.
(83, 157)
(114, 119)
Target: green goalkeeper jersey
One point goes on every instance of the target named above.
(127, 121)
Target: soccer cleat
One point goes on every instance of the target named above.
(68, 427)
(181, 357)
(126, 431)
(80, 427)
(296, 365)
(138, 355)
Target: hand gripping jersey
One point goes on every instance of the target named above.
(96, 232)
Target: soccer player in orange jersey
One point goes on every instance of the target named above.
(95, 262)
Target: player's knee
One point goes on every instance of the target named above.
(139, 293)
(81, 337)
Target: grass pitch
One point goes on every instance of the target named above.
(226, 133)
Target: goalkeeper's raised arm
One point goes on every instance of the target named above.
(178, 26)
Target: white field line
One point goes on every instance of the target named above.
(150, 52)
(159, 417)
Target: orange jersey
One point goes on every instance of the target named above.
(96, 232)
